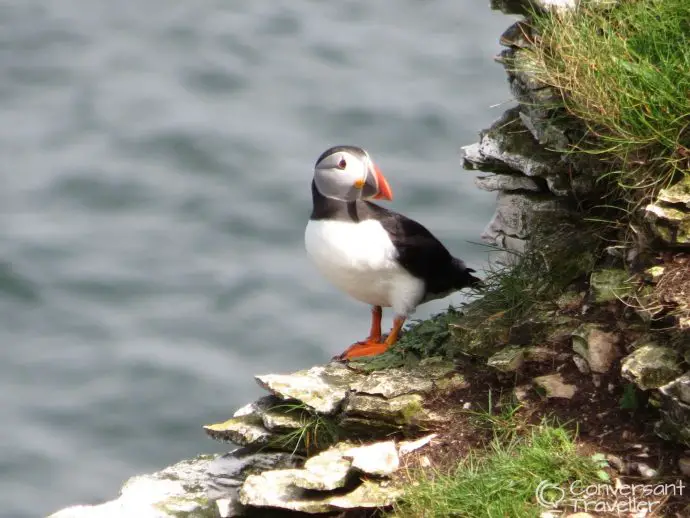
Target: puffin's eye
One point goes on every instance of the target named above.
(342, 164)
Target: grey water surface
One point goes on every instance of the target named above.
(155, 162)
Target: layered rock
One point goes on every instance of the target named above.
(533, 181)
(309, 446)
(339, 401)
(336, 479)
(669, 214)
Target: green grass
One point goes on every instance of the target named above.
(316, 432)
(528, 287)
(498, 417)
(502, 481)
(624, 70)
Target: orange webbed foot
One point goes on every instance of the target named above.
(375, 344)
(360, 349)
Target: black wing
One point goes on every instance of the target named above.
(420, 253)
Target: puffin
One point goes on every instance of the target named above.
(375, 255)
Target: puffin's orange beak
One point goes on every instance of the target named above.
(385, 192)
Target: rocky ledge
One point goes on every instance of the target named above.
(325, 439)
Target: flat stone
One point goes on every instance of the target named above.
(679, 388)
(379, 459)
(276, 489)
(491, 151)
(555, 387)
(454, 382)
(651, 366)
(678, 193)
(333, 469)
(406, 410)
(259, 406)
(391, 383)
(597, 346)
(248, 409)
(277, 421)
(369, 495)
(322, 388)
(246, 430)
(508, 146)
(668, 223)
(506, 182)
(508, 359)
(326, 471)
(273, 412)
(609, 284)
(434, 368)
(474, 160)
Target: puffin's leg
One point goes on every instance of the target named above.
(371, 348)
(395, 331)
(374, 333)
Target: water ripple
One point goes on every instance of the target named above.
(155, 187)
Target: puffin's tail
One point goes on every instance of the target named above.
(463, 277)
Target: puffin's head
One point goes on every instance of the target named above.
(347, 173)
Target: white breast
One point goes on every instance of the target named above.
(360, 259)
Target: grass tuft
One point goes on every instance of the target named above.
(501, 481)
(499, 418)
(527, 288)
(316, 432)
(624, 70)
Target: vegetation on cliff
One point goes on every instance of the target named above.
(613, 78)
(623, 70)
(502, 482)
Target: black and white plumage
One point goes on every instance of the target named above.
(375, 255)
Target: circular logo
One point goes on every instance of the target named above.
(549, 495)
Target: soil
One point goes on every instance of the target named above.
(594, 415)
